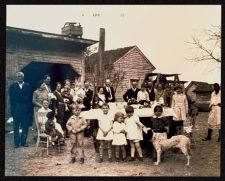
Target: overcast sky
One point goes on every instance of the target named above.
(159, 31)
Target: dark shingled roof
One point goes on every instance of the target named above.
(109, 56)
(203, 87)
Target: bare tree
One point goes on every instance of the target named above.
(115, 75)
(207, 45)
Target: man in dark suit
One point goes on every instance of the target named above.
(109, 91)
(151, 91)
(88, 98)
(20, 103)
(131, 94)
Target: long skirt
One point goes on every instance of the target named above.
(214, 120)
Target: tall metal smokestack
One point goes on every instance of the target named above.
(101, 49)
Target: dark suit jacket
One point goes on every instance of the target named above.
(130, 94)
(107, 94)
(88, 99)
(20, 96)
(152, 94)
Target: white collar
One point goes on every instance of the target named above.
(21, 83)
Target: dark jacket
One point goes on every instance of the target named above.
(49, 126)
(159, 124)
(107, 94)
(88, 99)
(20, 96)
(130, 93)
(152, 94)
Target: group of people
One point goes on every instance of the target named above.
(64, 105)
(114, 130)
(168, 95)
(24, 103)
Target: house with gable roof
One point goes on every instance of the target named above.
(129, 62)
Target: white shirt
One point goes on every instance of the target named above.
(142, 96)
(215, 98)
(21, 85)
(109, 90)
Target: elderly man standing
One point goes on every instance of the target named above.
(109, 91)
(20, 103)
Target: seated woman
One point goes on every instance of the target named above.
(143, 96)
(99, 98)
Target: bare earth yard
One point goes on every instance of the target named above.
(205, 160)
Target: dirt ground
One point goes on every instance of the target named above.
(205, 160)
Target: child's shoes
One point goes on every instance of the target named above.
(141, 159)
(132, 159)
(81, 161)
(110, 160)
(124, 159)
(100, 160)
(73, 160)
(117, 159)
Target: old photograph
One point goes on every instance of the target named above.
(113, 90)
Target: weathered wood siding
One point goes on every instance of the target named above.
(19, 58)
(134, 65)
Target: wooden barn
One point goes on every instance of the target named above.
(121, 65)
(39, 53)
(200, 92)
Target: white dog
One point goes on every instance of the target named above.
(161, 144)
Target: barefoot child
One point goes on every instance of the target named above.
(134, 132)
(76, 126)
(119, 137)
(105, 132)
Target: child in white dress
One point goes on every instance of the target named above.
(134, 132)
(105, 132)
(119, 137)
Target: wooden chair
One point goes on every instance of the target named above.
(40, 120)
